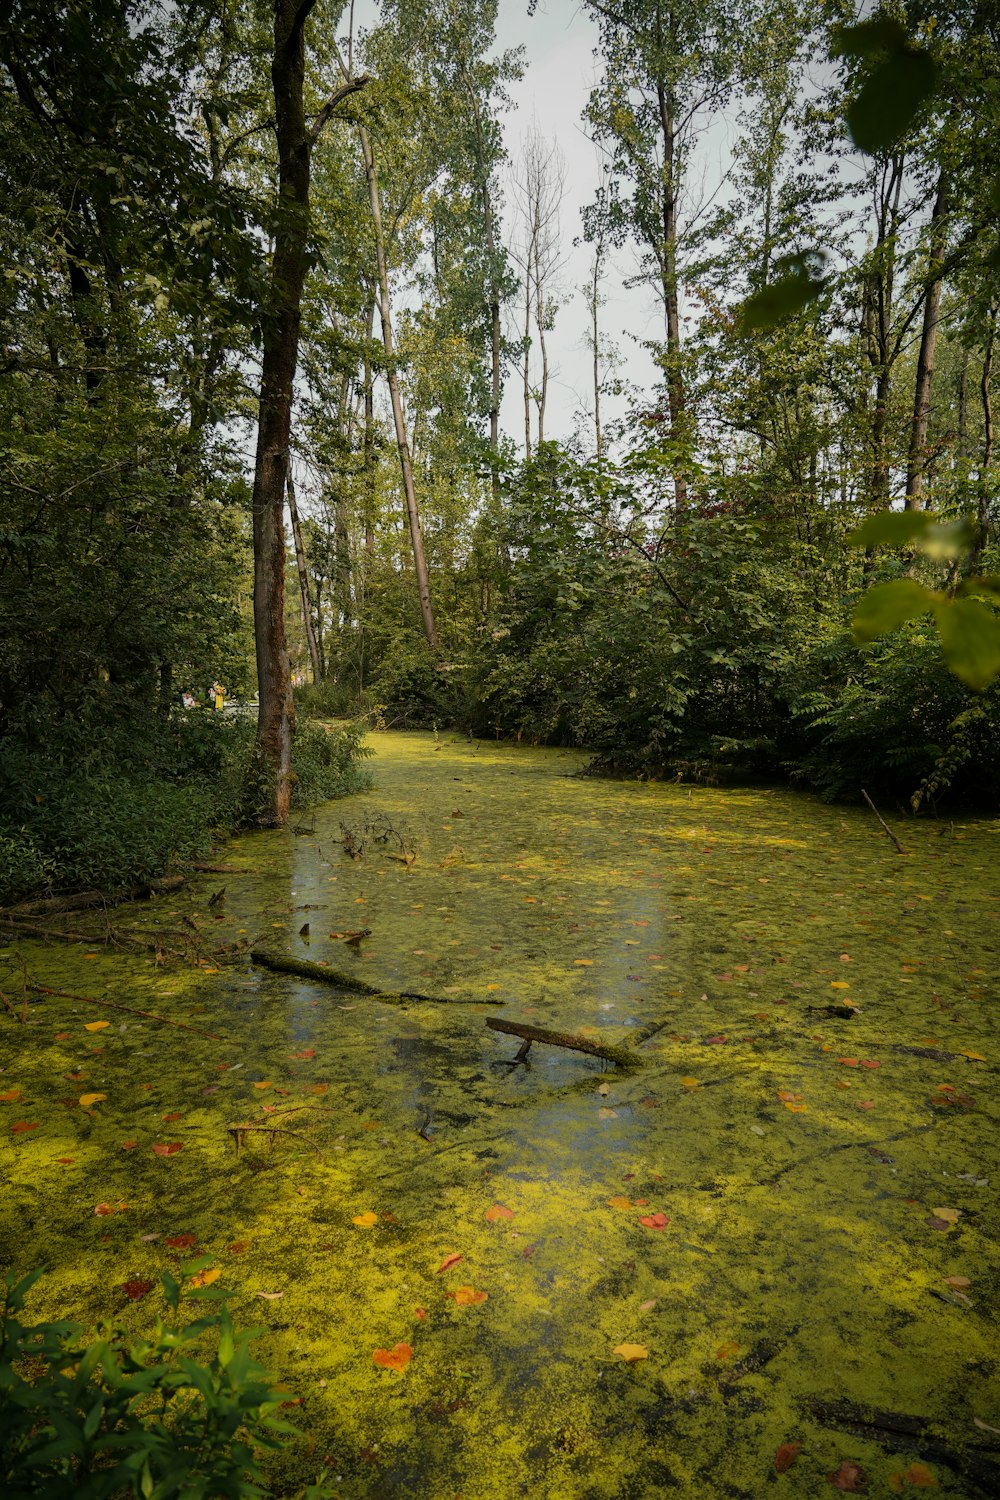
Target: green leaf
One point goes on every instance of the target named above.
(951, 539)
(970, 640)
(889, 605)
(784, 297)
(890, 98)
(893, 528)
(880, 34)
(986, 586)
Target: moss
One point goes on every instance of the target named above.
(722, 918)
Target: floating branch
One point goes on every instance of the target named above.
(895, 840)
(342, 981)
(621, 1056)
(239, 1134)
(130, 1010)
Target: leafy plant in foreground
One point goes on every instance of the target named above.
(142, 1417)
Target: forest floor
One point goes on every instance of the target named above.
(766, 1262)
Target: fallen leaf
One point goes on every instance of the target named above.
(961, 1282)
(396, 1358)
(920, 1477)
(168, 1148)
(11, 1096)
(467, 1296)
(838, 984)
(973, 1056)
(871, 1063)
(268, 1296)
(365, 1221)
(205, 1278)
(319, 1088)
(19, 1127)
(950, 1215)
(449, 1261)
(174, 1114)
(497, 1212)
(65, 1161)
(796, 1109)
(583, 963)
(607, 1114)
(848, 1062)
(181, 1241)
(654, 1221)
(237, 1247)
(727, 1350)
(88, 1099)
(96, 1025)
(264, 1084)
(104, 1209)
(690, 1083)
(619, 1202)
(421, 1314)
(631, 1352)
(63, 1036)
(304, 1055)
(129, 1145)
(648, 1305)
(865, 1103)
(136, 1289)
(786, 1455)
(849, 1477)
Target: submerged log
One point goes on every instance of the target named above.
(342, 981)
(52, 904)
(621, 1056)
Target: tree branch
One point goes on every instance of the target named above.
(337, 97)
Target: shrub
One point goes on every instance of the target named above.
(83, 1420)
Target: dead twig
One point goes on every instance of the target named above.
(148, 1015)
(239, 1134)
(895, 840)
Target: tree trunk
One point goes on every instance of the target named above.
(402, 442)
(983, 490)
(674, 373)
(595, 307)
(916, 457)
(300, 564)
(279, 356)
(543, 394)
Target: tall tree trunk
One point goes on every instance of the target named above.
(527, 363)
(983, 489)
(543, 393)
(917, 456)
(279, 356)
(369, 440)
(399, 420)
(674, 372)
(300, 564)
(595, 307)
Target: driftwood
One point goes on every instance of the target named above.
(528, 1034)
(342, 981)
(895, 840)
(52, 904)
(131, 1010)
(239, 1134)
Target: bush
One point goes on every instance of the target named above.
(84, 1420)
(23, 867)
(326, 762)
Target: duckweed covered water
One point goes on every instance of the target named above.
(801, 1151)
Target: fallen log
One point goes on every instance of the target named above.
(204, 869)
(342, 981)
(52, 904)
(621, 1056)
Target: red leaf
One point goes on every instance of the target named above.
(654, 1221)
(786, 1456)
(304, 1055)
(393, 1359)
(449, 1261)
(20, 1126)
(174, 1114)
(129, 1145)
(136, 1289)
(168, 1148)
(181, 1241)
(849, 1477)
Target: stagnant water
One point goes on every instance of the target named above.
(822, 1170)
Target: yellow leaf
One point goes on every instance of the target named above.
(264, 1084)
(492, 987)
(691, 1083)
(949, 1215)
(365, 1221)
(796, 1109)
(88, 1099)
(838, 984)
(96, 1025)
(619, 1202)
(205, 1278)
(973, 1056)
(607, 1114)
(583, 963)
(467, 1296)
(727, 1350)
(631, 1352)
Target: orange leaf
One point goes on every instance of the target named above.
(631, 1352)
(421, 1314)
(849, 1477)
(849, 1062)
(365, 1221)
(237, 1247)
(619, 1202)
(690, 1083)
(449, 1261)
(205, 1278)
(96, 1025)
(264, 1084)
(466, 1296)
(920, 1476)
(174, 1114)
(304, 1055)
(88, 1099)
(11, 1096)
(393, 1359)
(20, 1126)
(181, 1241)
(497, 1212)
(727, 1350)
(654, 1221)
(168, 1148)
(129, 1145)
(786, 1455)
(317, 1088)
(104, 1209)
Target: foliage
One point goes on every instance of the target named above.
(326, 762)
(154, 1418)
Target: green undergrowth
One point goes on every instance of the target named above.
(822, 1168)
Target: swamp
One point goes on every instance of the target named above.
(779, 1229)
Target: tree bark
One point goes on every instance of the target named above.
(674, 373)
(395, 396)
(279, 357)
(916, 456)
(300, 564)
(982, 489)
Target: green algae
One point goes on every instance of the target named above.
(718, 926)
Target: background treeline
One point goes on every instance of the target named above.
(670, 586)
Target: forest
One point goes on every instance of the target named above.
(303, 520)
